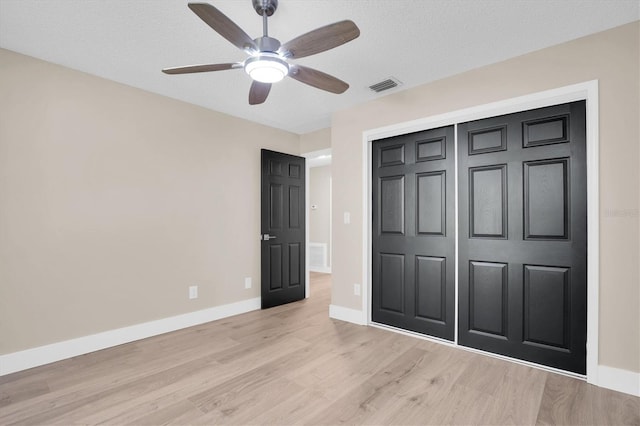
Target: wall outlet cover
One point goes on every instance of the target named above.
(193, 292)
(247, 282)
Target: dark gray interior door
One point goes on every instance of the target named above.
(523, 235)
(283, 228)
(413, 235)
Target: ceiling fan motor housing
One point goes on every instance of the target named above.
(267, 44)
(263, 7)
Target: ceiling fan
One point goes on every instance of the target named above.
(268, 58)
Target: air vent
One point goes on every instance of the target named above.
(317, 256)
(386, 84)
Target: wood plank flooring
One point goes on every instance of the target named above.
(294, 365)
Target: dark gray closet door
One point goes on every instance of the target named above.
(413, 232)
(523, 235)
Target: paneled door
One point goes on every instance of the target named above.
(283, 228)
(413, 232)
(523, 235)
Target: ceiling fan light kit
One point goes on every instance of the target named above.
(267, 62)
(266, 67)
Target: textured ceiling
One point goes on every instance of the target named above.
(415, 41)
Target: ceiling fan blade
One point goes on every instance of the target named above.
(321, 39)
(201, 68)
(258, 92)
(223, 25)
(317, 79)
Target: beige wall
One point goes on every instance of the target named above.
(320, 196)
(315, 141)
(613, 58)
(114, 200)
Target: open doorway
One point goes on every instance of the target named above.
(318, 213)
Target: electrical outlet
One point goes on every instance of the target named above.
(356, 289)
(247, 282)
(193, 292)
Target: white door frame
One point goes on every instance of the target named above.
(587, 91)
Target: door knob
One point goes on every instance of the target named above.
(267, 237)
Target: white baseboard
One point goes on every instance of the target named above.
(619, 380)
(22, 360)
(347, 314)
(323, 269)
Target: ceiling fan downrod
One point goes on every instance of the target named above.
(265, 8)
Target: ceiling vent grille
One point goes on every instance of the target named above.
(385, 84)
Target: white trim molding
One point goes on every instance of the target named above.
(619, 380)
(587, 91)
(29, 358)
(347, 314)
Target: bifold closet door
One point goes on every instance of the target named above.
(523, 235)
(413, 232)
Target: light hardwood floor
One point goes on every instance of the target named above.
(294, 365)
